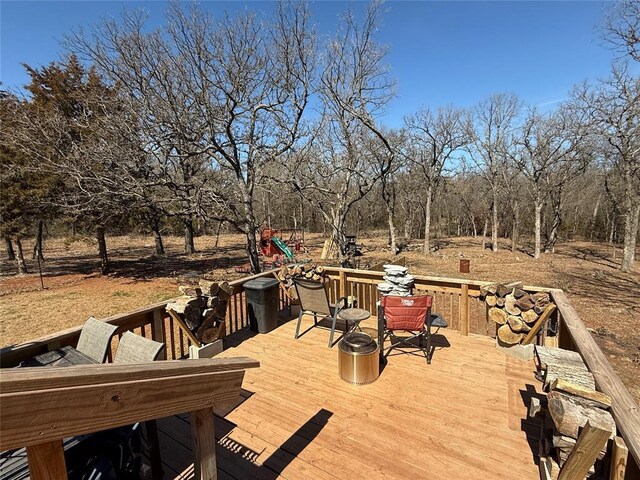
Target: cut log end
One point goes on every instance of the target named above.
(508, 336)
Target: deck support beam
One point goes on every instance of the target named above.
(204, 444)
(46, 461)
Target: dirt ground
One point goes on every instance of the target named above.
(606, 299)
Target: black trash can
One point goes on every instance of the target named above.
(262, 304)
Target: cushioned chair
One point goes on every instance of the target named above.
(95, 338)
(411, 314)
(136, 349)
(315, 301)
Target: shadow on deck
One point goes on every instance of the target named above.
(462, 417)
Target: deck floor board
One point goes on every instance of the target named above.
(462, 417)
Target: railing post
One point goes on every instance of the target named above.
(204, 444)
(46, 461)
(157, 332)
(343, 283)
(464, 309)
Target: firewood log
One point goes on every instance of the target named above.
(597, 399)
(189, 311)
(308, 275)
(524, 303)
(569, 416)
(319, 269)
(517, 324)
(498, 315)
(225, 291)
(204, 326)
(491, 300)
(510, 305)
(488, 290)
(190, 291)
(539, 308)
(502, 290)
(529, 316)
(541, 296)
(519, 293)
(209, 287)
(500, 301)
(508, 336)
(212, 334)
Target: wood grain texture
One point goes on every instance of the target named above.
(204, 444)
(46, 461)
(464, 310)
(623, 406)
(33, 379)
(619, 456)
(599, 398)
(536, 326)
(584, 454)
(36, 416)
(298, 417)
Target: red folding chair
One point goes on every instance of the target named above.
(410, 314)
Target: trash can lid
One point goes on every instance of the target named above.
(261, 283)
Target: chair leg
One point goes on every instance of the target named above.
(428, 345)
(298, 326)
(315, 318)
(333, 330)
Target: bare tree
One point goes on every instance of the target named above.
(354, 88)
(436, 138)
(224, 96)
(493, 137)
(622, 27)
(548, 155)
(614, 107)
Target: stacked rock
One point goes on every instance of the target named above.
(396, 281)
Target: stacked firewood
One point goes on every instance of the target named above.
(513, 310)
(202, 309)
(572, 401)
(309, 271)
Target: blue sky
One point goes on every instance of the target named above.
(440, 53)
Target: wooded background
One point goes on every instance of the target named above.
(207, 125)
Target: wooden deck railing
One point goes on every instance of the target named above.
(456, 299)
(151, 321)
(41, 406)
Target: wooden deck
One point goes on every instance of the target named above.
(462, 417)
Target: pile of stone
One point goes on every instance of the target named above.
(396, 281)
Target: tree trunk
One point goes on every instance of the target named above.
(632, 219)
(102, 250)
(11, 254)
(22, 266)
(37, 248)
(392, 232)
(550, 245)
(407, 229)
(250, 230)
(514, 227)
(426, 247)
(494, 222)
(594, 218)
(538, 229)
(252, 250)
(218, 234)
(189, 246)
(157, 236)
(484, 231)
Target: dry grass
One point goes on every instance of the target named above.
(606, 298)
